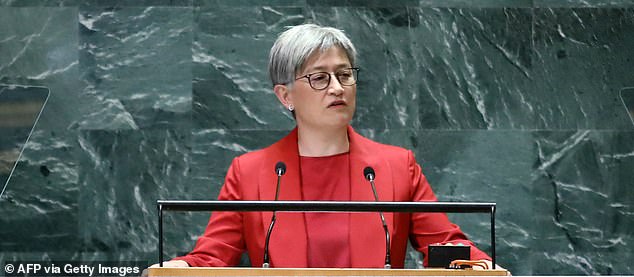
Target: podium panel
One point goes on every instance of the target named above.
(249, 271)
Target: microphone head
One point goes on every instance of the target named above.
(280, 168)
(368, 173)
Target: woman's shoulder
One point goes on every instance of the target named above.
(256, 157)
(252, 157)
(382, 148)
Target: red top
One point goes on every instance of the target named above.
(327, 179)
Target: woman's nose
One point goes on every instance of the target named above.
(335, 86)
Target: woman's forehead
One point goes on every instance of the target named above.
(324, 59)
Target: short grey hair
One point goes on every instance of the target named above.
(293, 47)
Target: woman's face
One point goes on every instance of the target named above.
(327, 108)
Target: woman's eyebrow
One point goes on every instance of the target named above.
(323, 68)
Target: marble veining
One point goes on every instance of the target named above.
(514, 103)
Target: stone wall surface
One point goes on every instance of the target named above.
(513, 102)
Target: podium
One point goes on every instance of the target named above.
(320, 206)
(251, 271)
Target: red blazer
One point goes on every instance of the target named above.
(252, 177)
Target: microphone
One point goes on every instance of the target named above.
(369, 175)
(280, 169)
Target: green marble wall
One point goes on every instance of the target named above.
(514, 102)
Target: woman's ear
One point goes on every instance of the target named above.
(283, 95)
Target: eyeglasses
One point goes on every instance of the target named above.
(321, 80)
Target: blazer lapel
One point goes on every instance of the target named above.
(367, 237)
(287, 246)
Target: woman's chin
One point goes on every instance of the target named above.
(341, 120)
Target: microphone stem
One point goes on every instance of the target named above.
(265, 260)
(265, 264)
(388, 261)
(277, 187)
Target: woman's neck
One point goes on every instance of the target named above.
(320, 143)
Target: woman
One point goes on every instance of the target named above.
(314, 76)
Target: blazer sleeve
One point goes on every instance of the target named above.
(431, 228)
(222, 243)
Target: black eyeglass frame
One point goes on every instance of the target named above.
(355, 73)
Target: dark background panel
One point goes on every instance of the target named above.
(580, 66)
(136, 66)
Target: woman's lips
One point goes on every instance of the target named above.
(337, 104)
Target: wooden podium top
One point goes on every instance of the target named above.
(251, 271)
